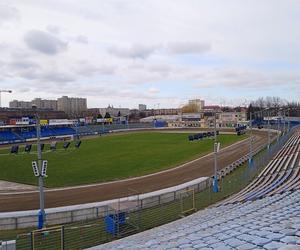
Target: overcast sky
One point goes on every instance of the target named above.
(150, 51)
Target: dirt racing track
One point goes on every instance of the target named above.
(201, 167)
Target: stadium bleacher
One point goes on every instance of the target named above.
(268, 223)
(279, 175)
(22, 135)
(8, 136)
(264, 215)
(28, 134)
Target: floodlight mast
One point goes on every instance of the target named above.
(41, 178)
(4, 91)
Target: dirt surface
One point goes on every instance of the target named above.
(106, 191)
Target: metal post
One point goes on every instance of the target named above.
(251, 145)
(62, 237)
(269, 136)
(215, 183)
(128, 121)
(288, 120)
(41, 179)
(284, 122)
(278, 134)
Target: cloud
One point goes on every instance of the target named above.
(84, 68)
(8, 13)
(187, 47)
(23, 64)
(44, 42)
(247, 79)
(183, 49)
(82, 39)
(135, 51)
(153, 90)
(144, 51)
(53, 29)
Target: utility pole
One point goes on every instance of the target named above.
(4, 91)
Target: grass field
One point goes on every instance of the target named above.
(109, 158)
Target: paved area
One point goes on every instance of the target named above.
(6, 186)
(268, 223)
(106, 191)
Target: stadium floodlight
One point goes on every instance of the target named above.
(77, 144)
(41, 214)
(14, 149)
(44, 168)
(53, 145)
(28, 148)
(66, 145)
(35, 169)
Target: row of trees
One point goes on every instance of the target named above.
(276, 104)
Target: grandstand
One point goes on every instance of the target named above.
(281, 174)
(268, 223)
(264, 215)
(21, 134)
(13, 134)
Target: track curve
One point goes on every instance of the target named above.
(94, 193)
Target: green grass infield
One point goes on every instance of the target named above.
(109, 158)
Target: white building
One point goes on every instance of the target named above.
(142, 107)
(198, 102)
(71, 105)
(114, 111)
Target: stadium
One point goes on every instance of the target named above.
(127, 178)
(141, 124)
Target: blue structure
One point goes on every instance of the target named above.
(160, 123)
(250, 162)
(113, 221)
(41, 217)
(215, 185)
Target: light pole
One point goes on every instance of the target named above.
(250, 161)
(288, 120)
(216, 149)
(127, 121)
(4, 91)
(251, 141)
(41, 215)
(278, 134)
(269, 134)
(284, 122)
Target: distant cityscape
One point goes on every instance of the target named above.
(70, 105)
(193, 114)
